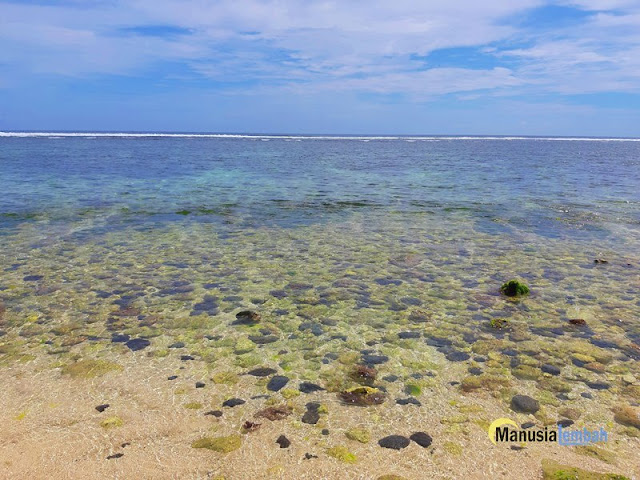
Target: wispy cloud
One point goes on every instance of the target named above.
(417, 51)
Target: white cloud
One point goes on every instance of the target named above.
(300, 45)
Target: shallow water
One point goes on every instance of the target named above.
(342, 246)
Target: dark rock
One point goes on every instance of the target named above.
(564, 423)
(390, 378)
(421, 439)
(283, 441)
(172, 377)
(186, 358)
(199, 384)
(311, 417)
(456, 356)
(475, 371)
(177, 345)
(138, 344)
(524, 404)
(233, 402)
(262, 372)
(33, 278)
(119, 338)
(517, 448)
(214, 413)
(598, 385)
(551, 369)
(277, 382)
(600, 261)
(102, 408)
(308, 387)
(395, 442)
(405, 335)
(247, 317)
(408, 401)
(325, 431)
(115, 455)
(527, 425)
(374, 359)
(586, 395)
(309, 456)
(263, 339)
(577, 321)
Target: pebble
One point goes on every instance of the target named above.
(283, 441)
(199, 384)
(233, 402)
(308, 387)
(186, 358)
(550, 369)
(374, 359)
(395, 442)
(262, 372)
(598, 385)
(525, 404)
(422, 439)
(311, 416)
(102, 408)
(456, 356)
(325, 431)
(172, 377)
(527, 425)
(564, 423)
(177, 345)
(215, 413)
(405, 335)
(277, 382)
(408, 401)
(138, 344)
(115, 455)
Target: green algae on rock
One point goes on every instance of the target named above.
(362, 396)
(224, 444)
(361, 435)
(342, 453)
(514, 288)
(552, 470)
(111, 422)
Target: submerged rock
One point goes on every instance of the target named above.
(283, 441)
(395, 442)
(233, 402)
(138, 344)
(514, 288)
(308, 387)
(524, 404)
(277, 382)
(422, 439)
(262, 372)
(364, 375)
(247, 317)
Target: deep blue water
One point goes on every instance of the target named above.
(549, 187)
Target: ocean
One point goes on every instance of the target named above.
(383, 253)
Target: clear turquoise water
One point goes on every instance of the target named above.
(339, 244)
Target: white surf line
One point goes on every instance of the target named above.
(92, 135)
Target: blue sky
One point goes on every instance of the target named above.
(299, 66)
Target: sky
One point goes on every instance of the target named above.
(491, 67)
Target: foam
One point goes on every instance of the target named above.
(95, 135)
